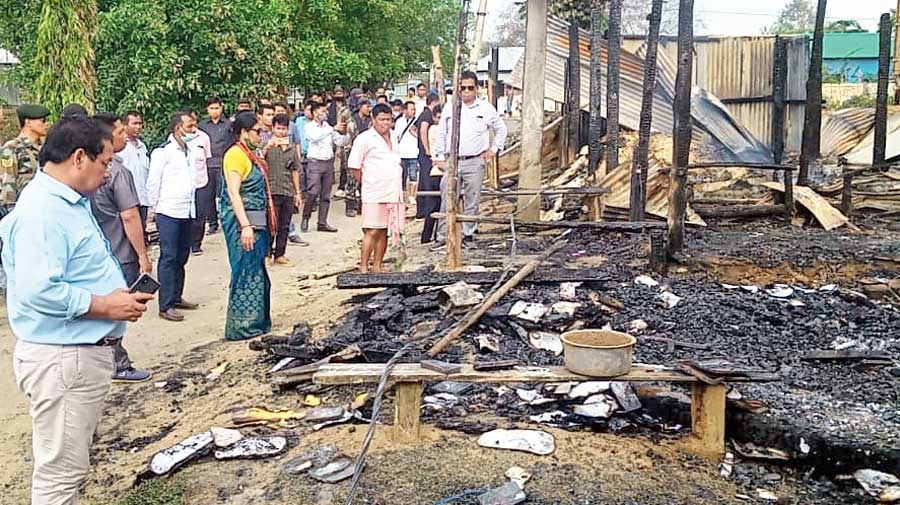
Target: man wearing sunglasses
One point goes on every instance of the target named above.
(19, 156)
(478, 119)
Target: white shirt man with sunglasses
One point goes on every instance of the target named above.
(477, 120)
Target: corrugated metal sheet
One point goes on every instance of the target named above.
(843, 130)
(712, 120)
(863, 152)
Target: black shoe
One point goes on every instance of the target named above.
(326, 228)
(213, 229)
(350, 213)
(186, 305)
(469, 243)
(304, 225)
(438, 246)
(196, 251)
(171, 315)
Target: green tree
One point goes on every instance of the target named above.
(797, 16)
(845, 26)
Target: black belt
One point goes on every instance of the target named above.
(464, 158)
(107, 342)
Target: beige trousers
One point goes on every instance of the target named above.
(66, 386)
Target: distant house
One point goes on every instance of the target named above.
(8, 93)
(852, 56)
(509, 56)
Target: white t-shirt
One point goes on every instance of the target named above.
(409, 144)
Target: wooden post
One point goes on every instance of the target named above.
(594, 131)
(847, 192)
(683, 127)
(779, 85)
(454, 238)
(533, 107)
(493, 96)
(640, 160)
(812, 120)
(884, 64)
(788, 196)
(479, 31)
(408, 403)
(574, 108)
(438, 83)
(613, 58)
(708, 418)
(897, 57)
(565, 125)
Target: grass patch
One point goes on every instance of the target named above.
(156, 492)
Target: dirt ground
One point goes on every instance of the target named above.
(140, 420)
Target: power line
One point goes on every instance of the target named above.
(769, 15)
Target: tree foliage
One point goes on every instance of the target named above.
(797, 16)
(845, 26)
(64, 55)
(156, 56)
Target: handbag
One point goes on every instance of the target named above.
(259, 219)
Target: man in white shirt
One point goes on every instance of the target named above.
(170, 187)
(202, 147)
(478, 118)
(420, 98)
(407, 131)
(322, 139)
(136, 160)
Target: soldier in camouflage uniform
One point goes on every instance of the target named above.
(19, 156)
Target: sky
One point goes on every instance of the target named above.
(749, 17)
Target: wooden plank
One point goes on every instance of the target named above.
(617, 226)
(708, 419)
(829, 217)
(362, 373)
(407, 424)
(398, 279)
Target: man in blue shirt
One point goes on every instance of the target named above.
(67, 304)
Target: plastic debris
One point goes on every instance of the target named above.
(341, 420)
(518, 475)
(455, 388)
(726, 467)
(780, 291)
(533, 441)
(254, 448)
(751, 289)
(546, 341)
(567, 290)
(804, 447)
(730, 286)
(596, 406)
(281, 364)
(323, 414)
(169, 459)
(160, 384)
(528, 311)
(223, 437)
(828, 287)
(459, 294)
(670, 299)
(561, 388)
(507, 494)
(217, 372)
(567, 308)
(767, 495)
(553, 418)
(336, 470)
(625, 395)
(874, 482)
(440, 401)
(585, 389)
(316, 457)
(637, 325)
(646, 280)
(533, 397)
(488, 343)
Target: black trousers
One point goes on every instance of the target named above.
(174, 251)
(132, 271)
(321, 179)
(284, 210)
(425, 205)
(215, 184)
(344, 170)
(205, 200)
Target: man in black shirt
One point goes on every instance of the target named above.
(220, 137)
(425, 205)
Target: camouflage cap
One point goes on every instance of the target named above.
(32, 111)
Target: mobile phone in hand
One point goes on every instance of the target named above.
(144, 284)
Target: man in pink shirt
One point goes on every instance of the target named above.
(375, 162)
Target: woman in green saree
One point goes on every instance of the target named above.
(247, 222)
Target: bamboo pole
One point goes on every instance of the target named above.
(640, 160)
(682, 129)
(438, 83)
(812, 120)
(613, 59)
(454, 238)
(493, 96)
(533, 107)
(479, 32)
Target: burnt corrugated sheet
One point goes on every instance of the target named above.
(843, 130)
(862, 153)
(714, 124)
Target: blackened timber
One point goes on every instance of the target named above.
(613, 60)
(738, 211)
(881, 97)
(614, 226)
(400, 279)
(454, 236)
(779, 85)
(847, 193)
(596, 114)
(641, 162)
(574, 109)
(740, 164)
(812, 119)
(683, 127)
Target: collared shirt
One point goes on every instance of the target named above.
(281, 163)
(474, 133)
(203, 150)
(379, 163)
(170, 184)
(136, 160)
(420, 104)
(404, 129)
(19, 162)
(322, 138)
(115, 196)
(300, 124)
(220, 137)
(56, 259)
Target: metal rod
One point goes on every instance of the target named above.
(613, 61)
(683, 127)
(640, 160)
(812, 120)
(881, 97)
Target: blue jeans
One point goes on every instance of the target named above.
(410, 170)
(174, 251)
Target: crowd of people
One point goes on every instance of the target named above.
(77, 198)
